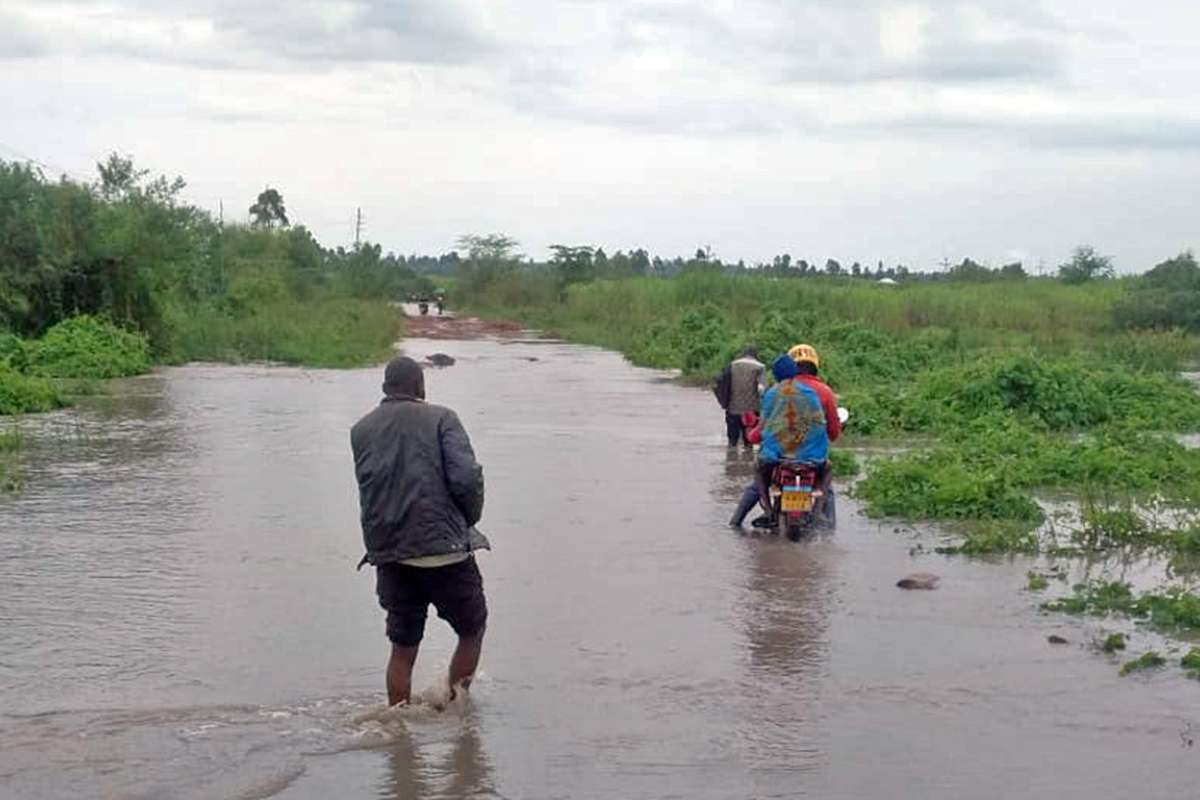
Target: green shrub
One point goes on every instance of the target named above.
(319, 333)
(1036, 582)
(845, 464)
(994, 537)
(1148, 660)
(940, 485)
(1172, 609)
(13, 352)
(88, 347)
(1113, 642)
(21, 394)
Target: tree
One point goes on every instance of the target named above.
(268, 210)
(492, 247)
(1086, 265)
(832, 267)
(1013, 271)
(639, 261)
(574, 263)
(969, 270)
(118, 177)
(1167, 297)
(856, 269)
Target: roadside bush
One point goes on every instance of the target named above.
(21, 394)
(941, 485)
(88, 347)
(318, 333)
(987, 468)
(1058, 395)
(12, 351)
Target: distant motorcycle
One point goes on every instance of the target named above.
(423, 307)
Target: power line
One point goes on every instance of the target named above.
(48, 167)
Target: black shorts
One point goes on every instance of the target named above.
(405, 592)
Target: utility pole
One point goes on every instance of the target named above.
(358, 228)
(221, 213)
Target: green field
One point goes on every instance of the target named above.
(1017, 386)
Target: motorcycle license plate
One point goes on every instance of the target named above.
(796, 500)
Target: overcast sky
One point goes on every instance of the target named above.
(854, 129)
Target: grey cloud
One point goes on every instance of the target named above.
(969, 62)
(295, 35)
(19, 40)
(1074, 132)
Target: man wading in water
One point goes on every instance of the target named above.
(421, 492)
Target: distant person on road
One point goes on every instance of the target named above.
(739, 390)
(421, 493)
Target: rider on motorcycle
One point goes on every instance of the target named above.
(802, 372)
(793, 422)
(808, 364)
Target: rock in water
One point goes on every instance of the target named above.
(919, 580)
(440, 360)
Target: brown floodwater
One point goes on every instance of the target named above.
(180, 616)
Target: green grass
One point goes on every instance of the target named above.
(1036, 582)
(1148, 660)
(1037, 391)
(318, 333)
(648, 319)
(1173, 609)
(1113, 642)
(11, 440)
(10, 478)
(22, 394)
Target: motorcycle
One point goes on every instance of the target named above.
(800, 496)
(799, 500)
(423, 307)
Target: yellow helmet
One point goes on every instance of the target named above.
(805, 352)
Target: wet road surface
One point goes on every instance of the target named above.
(180, 616)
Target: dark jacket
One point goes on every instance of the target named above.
(420, 488)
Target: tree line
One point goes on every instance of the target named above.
(126, 247)
(477, 255)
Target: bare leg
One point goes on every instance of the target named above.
(399, 673)
(465, 660)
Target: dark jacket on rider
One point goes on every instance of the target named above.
(420, 487)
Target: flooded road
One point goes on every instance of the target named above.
(180, 616)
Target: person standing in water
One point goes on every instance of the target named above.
(739, 390)
(420, 493)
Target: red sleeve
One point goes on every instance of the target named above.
(829, 403)
(754, 435)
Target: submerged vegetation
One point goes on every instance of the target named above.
(1151, 659)
(1171, 610)
(11, 442)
